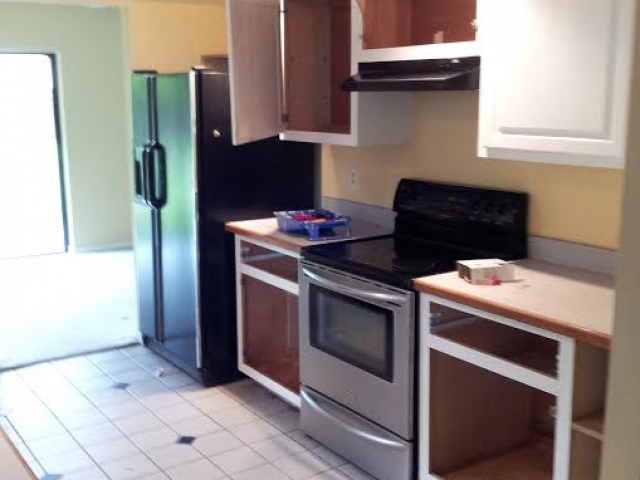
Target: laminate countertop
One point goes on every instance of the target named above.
(573, 302)
(266, 230)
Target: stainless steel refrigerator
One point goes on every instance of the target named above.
(189, 180)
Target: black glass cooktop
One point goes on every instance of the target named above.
(436, 224)
(385, 259)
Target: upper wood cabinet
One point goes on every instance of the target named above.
(288, 59)
(555, 80)
(418, 29)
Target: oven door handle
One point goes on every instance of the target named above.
(356, 292)
(345, 425)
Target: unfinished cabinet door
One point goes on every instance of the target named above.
(255, 69)
(555, 80)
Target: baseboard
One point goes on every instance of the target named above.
(102, 248)
(569, 254)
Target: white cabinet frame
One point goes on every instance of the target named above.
(274, 280)
(561, 387)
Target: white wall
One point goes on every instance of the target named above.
(94, 91)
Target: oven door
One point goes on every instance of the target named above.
(357, 345)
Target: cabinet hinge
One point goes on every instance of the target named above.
(285, 118)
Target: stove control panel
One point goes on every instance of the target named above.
(465, 216)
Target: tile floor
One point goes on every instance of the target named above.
(109, 416)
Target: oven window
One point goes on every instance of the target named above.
(352, 330)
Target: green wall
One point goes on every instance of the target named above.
(94, 99)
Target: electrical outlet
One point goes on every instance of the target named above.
(353, 176)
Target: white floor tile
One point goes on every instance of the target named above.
(238, 460)
(96, 435)
(52, 446)
(118, 365)
(195, 427)
(161, 399)
(149, 387)
(177, 380)
(269, 408)
(94, 473)
(19, 399)
(156, 364)
(303, 439)
(196, 392)
(78, 419)
(103, 358)
(130, 467)
(200, 470)
(138, 424)
(278, 447)
(134, 374)
(264, 472)
(33, 426)
(154, 439)
(175, 413)
(216, 443)
(302, 465)
(134, 351)
(126, 408)
(331, 475)
(287, 421)
(112, 450)
(232, 417)
(97, 383)
(155, 476)
(174, 455)
(355, 473)
(254, 431)
(329, 456)
(108, 396)
(244, 390)
(214, 402)
(72, 403)
(77, 368)
(66, 463)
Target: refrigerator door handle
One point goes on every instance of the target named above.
(146, 160)
(157, 176)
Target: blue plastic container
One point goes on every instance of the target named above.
(314, 230)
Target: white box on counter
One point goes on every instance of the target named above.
(489, 271)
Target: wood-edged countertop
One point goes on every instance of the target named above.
(12, 465)
(565, 300)
(266, 230)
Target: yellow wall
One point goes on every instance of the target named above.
(567, 203)
(171, 37)
(94, 112)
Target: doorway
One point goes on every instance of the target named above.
(32, 208)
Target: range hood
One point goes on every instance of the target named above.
(414, 75)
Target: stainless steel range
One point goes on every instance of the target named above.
(358, 316)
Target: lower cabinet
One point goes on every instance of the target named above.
(270, 332)
(502, 399)
(267, 303)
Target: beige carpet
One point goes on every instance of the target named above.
(54, 306)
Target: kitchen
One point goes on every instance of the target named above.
(564, 205)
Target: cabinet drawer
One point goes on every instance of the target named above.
(501, 340)
(269, 261)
